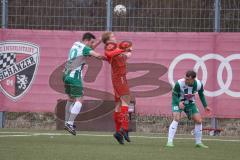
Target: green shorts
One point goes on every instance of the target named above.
(73, 86)
(190, 109)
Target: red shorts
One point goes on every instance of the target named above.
(120, 86)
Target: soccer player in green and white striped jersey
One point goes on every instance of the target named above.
(183, 99)
(73, 77)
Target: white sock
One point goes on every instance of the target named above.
(74, 112)
(68, 108)
(198, 133)
(172, 130)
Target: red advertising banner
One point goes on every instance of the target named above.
(31, 64)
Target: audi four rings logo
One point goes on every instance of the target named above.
(224, 63)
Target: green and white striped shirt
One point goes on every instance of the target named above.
(183, 92)
(76, 59)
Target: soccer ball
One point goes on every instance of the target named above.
(120, 10)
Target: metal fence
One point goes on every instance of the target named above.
(142, 15)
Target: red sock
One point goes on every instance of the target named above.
(124, 117)
(117, 120)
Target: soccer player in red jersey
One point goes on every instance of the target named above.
(117, 55)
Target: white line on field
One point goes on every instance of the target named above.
(151, 137)
(15, 135)
(13, 132)
(106, 135)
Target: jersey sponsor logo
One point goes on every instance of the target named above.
(224, 86)
(18, 65)
(189, 96)
(175, 108)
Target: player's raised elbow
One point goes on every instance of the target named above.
(128, 54)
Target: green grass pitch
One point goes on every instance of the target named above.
(55, 145)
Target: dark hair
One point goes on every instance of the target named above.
(88, 36)
(191, 74)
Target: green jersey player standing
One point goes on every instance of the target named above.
(183, 99)
(72, 77)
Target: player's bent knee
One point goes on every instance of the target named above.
(176, 119)
(71, 99)
(125, 99)
(117, 108)
(176, 116)
(198, 121)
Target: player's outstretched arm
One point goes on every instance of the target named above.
(97, 55)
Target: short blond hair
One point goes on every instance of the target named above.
(106, 37)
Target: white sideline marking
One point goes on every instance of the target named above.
(15, 135)
(12, 132)
(150, 137)
(25, 134)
